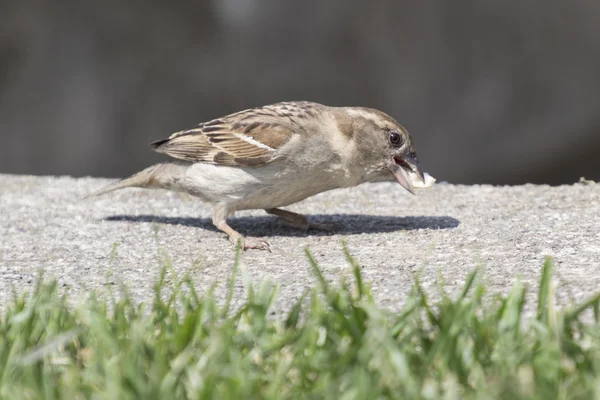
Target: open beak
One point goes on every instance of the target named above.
(402, 166)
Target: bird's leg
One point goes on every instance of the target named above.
(219, 219)
(298, 221)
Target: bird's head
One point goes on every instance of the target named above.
(383, 146)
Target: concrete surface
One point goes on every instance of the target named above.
(449, 230)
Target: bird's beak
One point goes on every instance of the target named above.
(402, 166)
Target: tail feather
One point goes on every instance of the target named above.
(143, 179)
(157, 143)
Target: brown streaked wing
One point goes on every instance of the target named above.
(241, 139)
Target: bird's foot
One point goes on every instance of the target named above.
(254, 243)
(299, 221)
(306, 225)
(323, 226)
(247, 243)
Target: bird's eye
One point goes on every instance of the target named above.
(395, 139)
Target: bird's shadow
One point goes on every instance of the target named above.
(343, 224)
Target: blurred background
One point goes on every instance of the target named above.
(492, 91)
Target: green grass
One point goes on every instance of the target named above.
(335, 343)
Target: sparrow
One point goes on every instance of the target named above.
(276, 155)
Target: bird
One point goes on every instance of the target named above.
(275, 155)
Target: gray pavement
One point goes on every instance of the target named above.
(447, 231)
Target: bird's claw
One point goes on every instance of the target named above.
(257, 244)
(304, 225)
(325, 226)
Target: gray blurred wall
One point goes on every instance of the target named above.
(498, 91)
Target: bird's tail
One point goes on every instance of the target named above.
(157, 176)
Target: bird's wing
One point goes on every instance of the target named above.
(247, 138)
